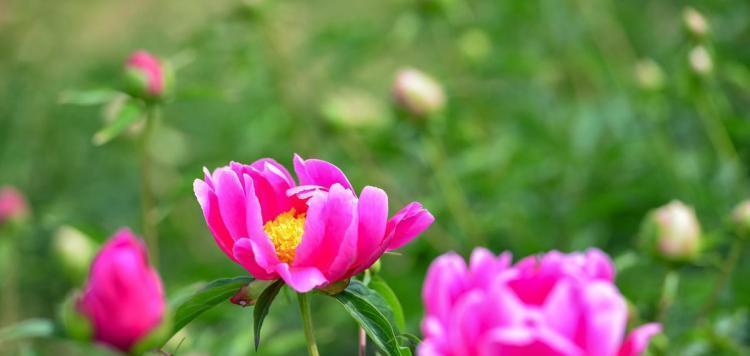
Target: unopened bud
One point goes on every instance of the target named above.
(13, 205)
(249, 294)
(649, 75)
(418, 93)
(74, 250)
(147, 77)
(694, 22)
(741, 219)
(700, 60)
(353, 109)
(75, 325)
(672, 232)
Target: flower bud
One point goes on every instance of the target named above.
(700, 60)
(74, 251)
(147, 77)
(13, 206)
(694, 22)
(249, 294)
(672, 232)
(418, 93)
(741, 219)
(123, 298)
(649, 75)
(75, 325)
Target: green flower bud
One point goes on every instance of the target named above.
(74, 250)
(672, 232)
(741, 219)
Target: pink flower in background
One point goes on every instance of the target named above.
(123, 298)
(12, 204)
(310, 235)
(149, 70)
(555, 304)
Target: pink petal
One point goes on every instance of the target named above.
(638, 339)
(599, 265)
(328, 222)
(485, 266)
(562, 311)
(605, 318)
(231, 197)
(210, 206)
(409, 222)
(301, 279)
(319, 172)
(245, 255)
(271, 182)
(444, 283)
(372, 209)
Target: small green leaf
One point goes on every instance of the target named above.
(377, 300)
(27, 329)
(262, 306)
(358, 301)
(206, 298)
(87, 97)
(379, 285)
(129, 113)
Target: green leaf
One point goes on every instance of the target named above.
(87, 97)
(262, 306)
(206, 298)
(129, 113)
(377, 300)
(360, 302)
(379, 285)
(27, 329)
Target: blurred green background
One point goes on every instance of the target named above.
(566, 121)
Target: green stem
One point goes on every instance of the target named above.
(304, 309)
(668, 292)
(148, 205)
(726, 271)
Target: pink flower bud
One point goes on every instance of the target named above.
(146, 75)
(13, 205)
(418, 93)
(123, 298)
(673, 232)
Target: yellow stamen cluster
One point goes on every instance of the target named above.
(285, 232)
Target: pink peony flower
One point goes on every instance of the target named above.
(149, 70)
(123, 298)
(310, 235)
(556, 304)
(12, 204)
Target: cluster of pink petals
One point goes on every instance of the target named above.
(150, 67)
(555, 304)
(343, 233)
(123, 298)
(12, 204)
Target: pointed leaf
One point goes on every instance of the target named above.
(27, 329)
(379, 285)
(206, 298)
(262, 306)
(87, 97)
(358, 301)
(129, 113)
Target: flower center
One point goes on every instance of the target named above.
(285, 232)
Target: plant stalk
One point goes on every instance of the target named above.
(304, 309)
(148, 202)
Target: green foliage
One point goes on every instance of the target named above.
(213, 293)
(262, 306)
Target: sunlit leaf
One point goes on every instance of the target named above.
(28, 329)
(87, 97)
(379, 285)
(360, 302)
(129, 113)
(262, 306)
(206, 298)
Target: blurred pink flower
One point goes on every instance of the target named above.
(123, 298)
(149, 69)
(556, 304)
(310, 235)
(12, 204)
